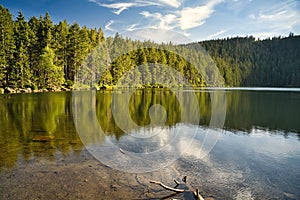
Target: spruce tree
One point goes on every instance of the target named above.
(7, 45)
(51, 76)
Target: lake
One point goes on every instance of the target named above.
(51, 144)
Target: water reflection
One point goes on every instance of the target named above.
(271, 110)
(27, 116)
(257, 155)
(261, 165)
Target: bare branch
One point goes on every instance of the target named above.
(168, 188)
(197, 195)
(177, 183)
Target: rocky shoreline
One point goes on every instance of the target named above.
(9, 90)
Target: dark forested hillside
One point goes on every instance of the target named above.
(249, 62)
(39, 54)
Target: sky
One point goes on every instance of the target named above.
(197, 20)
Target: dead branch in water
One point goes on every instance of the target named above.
(177, 183)
(195, 193)
(167, 187)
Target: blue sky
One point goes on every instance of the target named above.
(196, 19)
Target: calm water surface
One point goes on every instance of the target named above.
(257, 155)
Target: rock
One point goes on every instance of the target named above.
(22, 90)
(55, 89)
(28, 90)
(65, 89)
(9, 90)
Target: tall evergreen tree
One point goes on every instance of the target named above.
(51, 76)
(20, 75)
(60, 45)
(7, 45)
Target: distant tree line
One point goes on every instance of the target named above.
(39, 54)
(244, 61)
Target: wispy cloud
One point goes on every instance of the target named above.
(191, 17)
(172, 3)
(280, 17)
(217, 33)
(108, 26)
(157, 35)
(187, 18)
(132, 27)
(161, 21)
(119, 7)
(242, 17)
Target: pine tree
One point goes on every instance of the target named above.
(34, 50)
(21, 73)
(60, 45)
(78, 49)
(6, 45)
(51, 76)
(45, 31)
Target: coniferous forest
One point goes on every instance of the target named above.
(38, 54)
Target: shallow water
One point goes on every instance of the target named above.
(43, 149)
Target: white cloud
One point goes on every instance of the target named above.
(173, 3)
(281, 17)
(145, 13)
(161, 21)
(157, 35)
(121, 6)
(191, 17)
(187, 18)
(108, 25)
(217, 34)
(172, 18)
(132, 27)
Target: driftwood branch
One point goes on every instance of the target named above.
(167, 187)
(195, 193)
(177, 183)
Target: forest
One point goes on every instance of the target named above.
(40, 54)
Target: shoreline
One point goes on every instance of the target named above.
(9, 90)
(80, 176)
(261, 88)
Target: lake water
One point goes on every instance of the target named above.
(50, 144)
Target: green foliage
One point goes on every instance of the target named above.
(20, 74)
(6, 44)
(248, 62)
(39, 53)
(51, 76)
